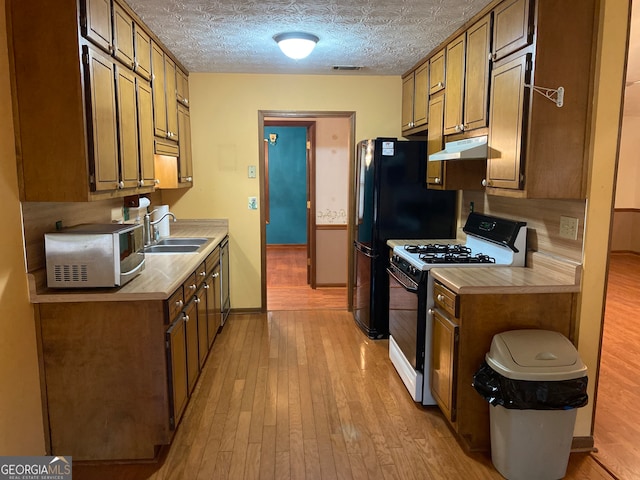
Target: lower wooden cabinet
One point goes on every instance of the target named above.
(177, 364)
(463, 327)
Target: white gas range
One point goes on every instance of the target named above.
(491, 241)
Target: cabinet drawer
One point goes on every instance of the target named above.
(175, 304)
(190, 286)
(212, 260)
(445, 299)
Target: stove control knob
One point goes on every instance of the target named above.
(413, 270)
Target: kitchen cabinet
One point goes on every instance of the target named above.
(450, 174)
(171, 96)
(159, 92)
(185, 168)
(190, 316)
(145, 129)
(213, 296)
(177, 369)
(123, 36)
(512, 27)
(182, 87)
(454, 93)
(415, 100)
(225, 298)
(463, 328)
(437, 72)
(89, 96)
(537, 148)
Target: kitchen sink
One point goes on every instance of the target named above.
(182, 241)
(172, 248)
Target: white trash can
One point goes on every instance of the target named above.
(544, 382)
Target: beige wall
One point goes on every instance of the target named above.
(224, 118)
(627, 192)
(21, 430)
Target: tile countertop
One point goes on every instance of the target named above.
(543, 274)
(162, 275)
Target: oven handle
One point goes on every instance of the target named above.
(409, 288)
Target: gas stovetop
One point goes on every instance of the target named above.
(491, 241)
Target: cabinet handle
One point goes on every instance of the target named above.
(461, 127)
(187, 179)
(430, 311)
(437, 180)
(186, 318)
(196, 300)
(440, 297)
(186, 100)
(141, 183)
(215, 275)
(202, 274)
(192, 286)
(484, 182)
(206, 286)
(120, 185)
(179, 304)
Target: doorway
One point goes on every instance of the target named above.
(294, 276)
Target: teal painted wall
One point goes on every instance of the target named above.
(287, 186)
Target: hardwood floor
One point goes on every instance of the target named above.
(287, 287)
(306, 395)
(617, 419)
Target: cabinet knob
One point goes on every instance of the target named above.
(484, 182)
(192, 286)
(179, 304)
(461, 126)
(186, 318)
(202, 274)
(440, 297)
(188, 179)
(196, 300)
(440, 85)
(437, 180)
(186, 100)
(457, 128)
(120, 185)
(206, 286)
(215, 275)
(141, 183)
(156, 181)
(430, 311)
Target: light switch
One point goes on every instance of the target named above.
(252, 171)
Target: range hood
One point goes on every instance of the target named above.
(468, 149)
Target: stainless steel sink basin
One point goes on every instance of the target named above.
(183, 241)
(172, 248)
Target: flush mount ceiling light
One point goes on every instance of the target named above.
(296, 45)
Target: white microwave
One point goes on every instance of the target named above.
(94, 255)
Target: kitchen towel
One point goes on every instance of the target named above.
(163, 226)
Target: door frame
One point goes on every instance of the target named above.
(290, 118)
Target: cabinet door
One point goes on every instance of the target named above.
(123, 36)
(225, 297)
(191, 333)
(444, 355)
(511, 27)
(421, 96)
(435, 141)
(185, 174)
(182, 87)
(128, 127)
(454, 94)
(145, 133)
(476, 91)
(509, 99)
(407, 102)
(101, 106)
(172, 102)
(159, 96)
(213, 304)
(142, 51)
(96, 23)
(177, 361)
(203, 343)
(436, 72)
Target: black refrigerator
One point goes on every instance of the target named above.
(392, 202)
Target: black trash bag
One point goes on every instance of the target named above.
(529, 395)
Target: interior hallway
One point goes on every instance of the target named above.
(617, 418)
(287, 287)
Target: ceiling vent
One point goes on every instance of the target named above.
(346, 67)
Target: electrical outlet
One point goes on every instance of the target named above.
(253, 203)
(569, 228)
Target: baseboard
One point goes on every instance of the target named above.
(331, 285)
(624, 252)
(583, 444)
(245, 311)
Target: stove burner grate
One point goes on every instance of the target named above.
(462, 257)
(438, 248)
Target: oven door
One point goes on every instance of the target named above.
(407, 319)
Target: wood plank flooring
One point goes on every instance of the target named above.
(287, 287)
(617, 419)
(306, 395)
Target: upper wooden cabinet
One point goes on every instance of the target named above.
(537, 148)
(437, 72)
(454, 92)
(182, 87)
(185, 169)
(165, 106)
(84, 115)
(415, 100)
(512, 27)
(476, 75)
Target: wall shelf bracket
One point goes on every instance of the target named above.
(556, 95)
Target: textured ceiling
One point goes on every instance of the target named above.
(385, 37)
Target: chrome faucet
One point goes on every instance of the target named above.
(150, 230)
